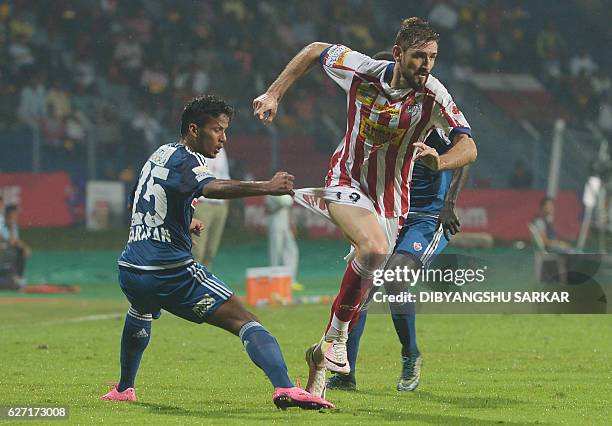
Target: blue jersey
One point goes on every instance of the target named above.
(428, 188)
(162, 209)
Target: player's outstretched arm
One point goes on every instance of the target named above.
(448, 216)
(280, 184)
(462, 153)
(266, 105)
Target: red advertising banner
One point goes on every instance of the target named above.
(503, 213)
(41, 197)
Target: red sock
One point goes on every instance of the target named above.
(351, 292)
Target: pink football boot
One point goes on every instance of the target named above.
(114, 395)
(296, 397)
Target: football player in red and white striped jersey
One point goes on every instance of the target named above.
(392, 107)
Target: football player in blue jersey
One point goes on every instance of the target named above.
(156, 268)
(425, 233)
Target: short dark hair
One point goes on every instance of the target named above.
(415, 32)
(201, 108)
(383, 55)
(10, 209)
(546, 200)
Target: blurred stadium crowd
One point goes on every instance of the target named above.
(120, 71)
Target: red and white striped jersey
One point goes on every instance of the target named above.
(382, 125)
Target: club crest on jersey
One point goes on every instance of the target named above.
(414, 109)
(417, 246)
(203, 306)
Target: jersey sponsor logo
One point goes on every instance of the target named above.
(386, 109)
(342, 57)
(162, 155)
(417, 246)
(457, 115)
(380, 134)
(336, 55)
(201, 173)
(366, 93)
(203, 306)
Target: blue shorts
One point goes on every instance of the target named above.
(190, 292)
(421, 237)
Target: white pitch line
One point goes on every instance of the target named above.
(99, 317)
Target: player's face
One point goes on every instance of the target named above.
(211, 137)
(416, 63)
(11, 218)
(548, 208)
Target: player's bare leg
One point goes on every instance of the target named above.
(231, 316)
(361, 227)
(264, 351)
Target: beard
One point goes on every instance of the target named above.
(416, 81)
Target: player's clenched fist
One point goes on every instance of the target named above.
(265, 107)
(281, 184)
(196, 227)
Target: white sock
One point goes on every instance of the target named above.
(338, 324)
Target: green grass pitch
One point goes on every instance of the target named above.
(478, 370)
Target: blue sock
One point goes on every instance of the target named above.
(264, 351)
(352, 344)
(135, 338)
(405, 327)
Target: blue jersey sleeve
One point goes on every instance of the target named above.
(438, 140)
(194, 174)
